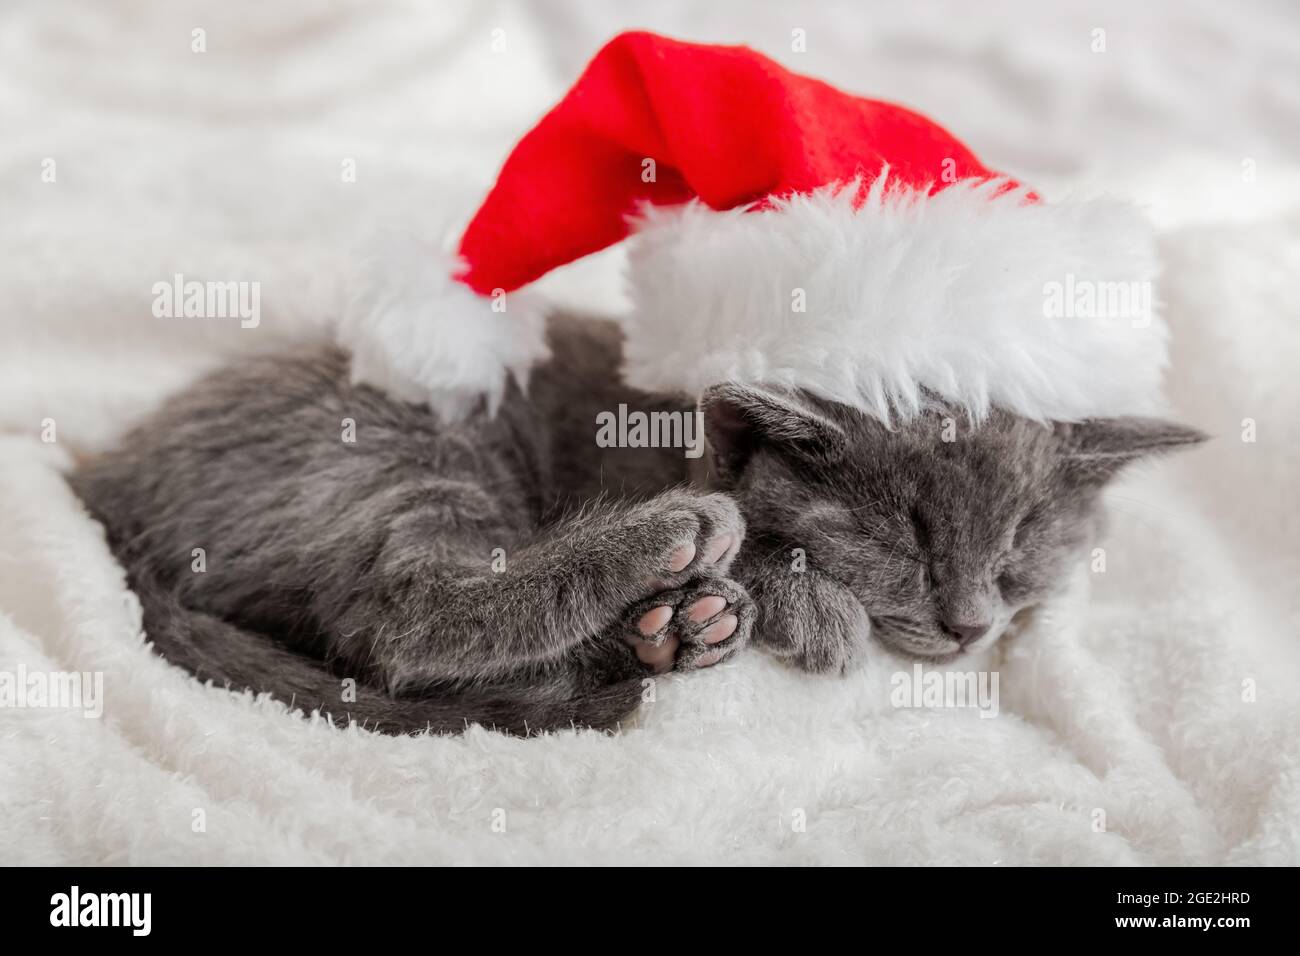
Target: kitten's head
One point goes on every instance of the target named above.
(942, 529)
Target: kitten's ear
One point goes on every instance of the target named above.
(1098, 448)
(740, 418)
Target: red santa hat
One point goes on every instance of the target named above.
(782, 231)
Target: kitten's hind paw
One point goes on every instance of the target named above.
(693, 626)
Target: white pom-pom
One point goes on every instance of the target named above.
(420, 335)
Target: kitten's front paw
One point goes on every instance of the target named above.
(690, 627)
(815, 625)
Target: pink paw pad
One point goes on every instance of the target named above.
(706, 608)
(681, 557)
(715, 549)
(658, 656)
(652, 621)
(720, 630)
(709, 659)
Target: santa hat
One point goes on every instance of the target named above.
(783, 231)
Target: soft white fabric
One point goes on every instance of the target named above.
(1168, 701)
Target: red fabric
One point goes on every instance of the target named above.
(722, 123)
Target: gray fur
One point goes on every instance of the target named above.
(373, 560)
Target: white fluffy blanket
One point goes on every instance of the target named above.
(1153, 722)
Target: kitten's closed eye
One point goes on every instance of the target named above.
(1012, 587)
(920, 529)
(901, 545)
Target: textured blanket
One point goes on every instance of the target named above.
(1149, 716)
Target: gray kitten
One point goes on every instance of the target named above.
(362, 557)
(929, 537)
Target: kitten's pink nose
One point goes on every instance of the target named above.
(966, 633)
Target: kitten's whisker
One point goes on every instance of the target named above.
(1111, 496)
(869, 504)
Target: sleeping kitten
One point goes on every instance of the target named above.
(929, 537)
(361, 557)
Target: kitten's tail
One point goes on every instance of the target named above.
(216, 650)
